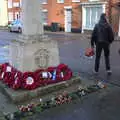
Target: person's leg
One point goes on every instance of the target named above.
(107, 54)
(98, 55)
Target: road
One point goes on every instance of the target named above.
(71, 50)
(101, 105)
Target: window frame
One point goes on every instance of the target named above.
(94, 0)
(76, 1)
(90, 6)
(58, 1)
(45, 11)
(10, 13)
(16, 4)
(10, 4)
(44, 2)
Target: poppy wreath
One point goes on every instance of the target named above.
(62, 66)
(42, 76)
(54, 75)
(16, 84)
(67, 74)
(58, 75)
(11, 80)
(0, 70)
(9, 76)
(6, 74)
(9, 72)
(29, 81)
(64, 71)
(3, 70)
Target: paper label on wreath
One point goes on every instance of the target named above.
(15, 75)
(2, 75)
(29, 81)
(44, 75)
(54, 75)
(16, 80)
(50, 75)
(9, 69)
(62, 74)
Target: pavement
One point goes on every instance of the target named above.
(101, 105)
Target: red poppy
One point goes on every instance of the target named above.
(29, 81)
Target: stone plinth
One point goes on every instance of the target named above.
(40, 52)
(19, 96)
(33, 50)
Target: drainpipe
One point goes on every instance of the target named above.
(110, 11)
(119, 27)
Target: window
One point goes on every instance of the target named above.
(16, 4)
(43, 1)
(75, 0)
(45, 16)
(60, 1)
(94, 0)
(92, 16)
(20, 3)
(9, 3)
(10, 16)
(16, 15)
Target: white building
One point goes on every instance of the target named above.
(3, 13)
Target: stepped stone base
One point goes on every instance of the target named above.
(25, 95)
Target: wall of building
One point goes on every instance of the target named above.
(56, 12)
(15, 9)
(3, 13)
(113, 15)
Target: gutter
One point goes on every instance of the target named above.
(93, 3)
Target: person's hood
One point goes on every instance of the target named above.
(103, 23)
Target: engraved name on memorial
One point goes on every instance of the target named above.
(41, 58)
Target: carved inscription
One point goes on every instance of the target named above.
(41, 58)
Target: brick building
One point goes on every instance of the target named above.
(14, 9)
(116, 16)
(75, 14)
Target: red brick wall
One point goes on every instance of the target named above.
(112, 14)
(115, 17)
(14, 9)
(56, 12)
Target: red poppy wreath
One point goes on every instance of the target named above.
(17, 80)
(29, 81)
(64, 71)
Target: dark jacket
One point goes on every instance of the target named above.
(102, 33)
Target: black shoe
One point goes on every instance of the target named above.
(95, 72)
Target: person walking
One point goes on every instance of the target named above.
(102, 37)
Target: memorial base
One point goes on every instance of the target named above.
(29, 53)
